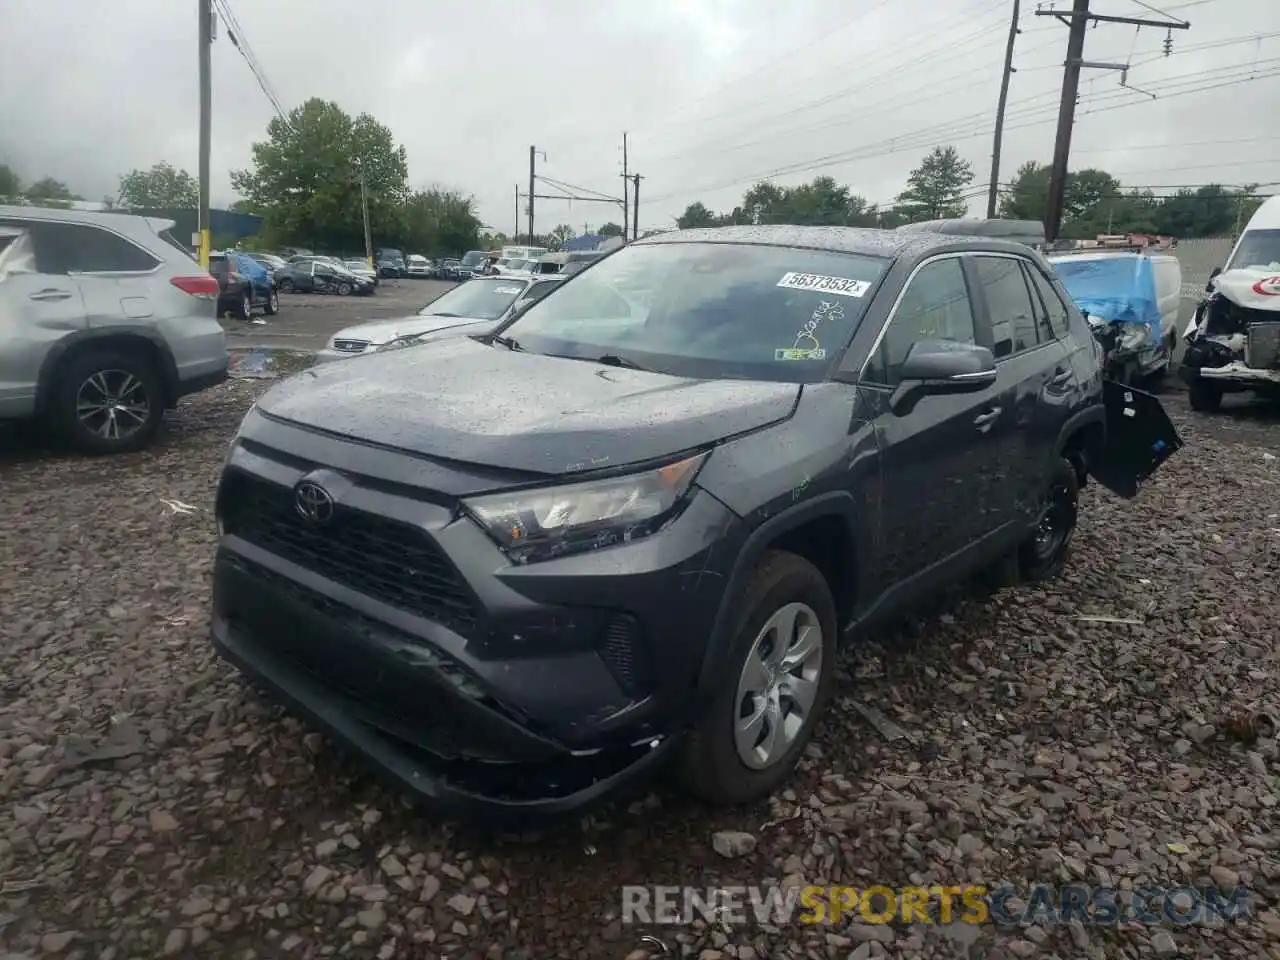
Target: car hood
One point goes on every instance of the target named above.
(483, 404)
(384, 331)
(1254, 288)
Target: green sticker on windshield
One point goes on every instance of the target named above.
(796, 353)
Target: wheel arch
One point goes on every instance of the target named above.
(135, 339)
(823, 531)
(1082, 438)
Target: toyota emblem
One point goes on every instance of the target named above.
(313, 502)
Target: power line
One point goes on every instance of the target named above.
(235, 33)
(941, 134)
(572, 187)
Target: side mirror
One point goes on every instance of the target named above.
(936, 367)
(1214, 272)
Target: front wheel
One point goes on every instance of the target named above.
(109, 401)
(1044, 554)
(777, 683)
(1204, 397)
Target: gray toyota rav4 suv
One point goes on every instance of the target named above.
(105, 322)
(517, 568)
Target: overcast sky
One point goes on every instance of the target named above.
(714, 93)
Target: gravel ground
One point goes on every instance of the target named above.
(152, 805)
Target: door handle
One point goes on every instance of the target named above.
(51, 294)
(983, 421)
(1060, 377)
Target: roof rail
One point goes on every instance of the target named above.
(1030, 232)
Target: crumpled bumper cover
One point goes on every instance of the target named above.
(430, 732)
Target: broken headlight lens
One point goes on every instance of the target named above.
(1134, 336)
(532, 525)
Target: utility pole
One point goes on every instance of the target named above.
(635, 199)
(205, 8)
(364, 212)
(625, 183)
(1078, 20)
(533, 159)
(994, 191)
(515, 237)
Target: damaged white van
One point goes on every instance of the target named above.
(1233, 342)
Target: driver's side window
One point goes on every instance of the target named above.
(935, 306)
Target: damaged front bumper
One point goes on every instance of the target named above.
(1139, 438)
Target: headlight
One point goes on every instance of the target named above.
(1135, 335)
(532, 525)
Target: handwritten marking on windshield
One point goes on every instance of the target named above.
(791, 353)
(840, 286)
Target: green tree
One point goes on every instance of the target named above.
(10, 184)
(160, 188)
(558, 237)
(305, 178)
(610, 230)
(696, 215)
(1208, 211)
(934, 189)
(48, 188)
(440, 221)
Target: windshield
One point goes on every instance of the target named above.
(356, 264)
(473, 257)
(708, 310)
(483, 299)
(517, 264)
(1259, 249)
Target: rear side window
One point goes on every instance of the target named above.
(77, 248)
(1013, 319)
(1053, 305)
(168, 237)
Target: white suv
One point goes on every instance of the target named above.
(105, 322)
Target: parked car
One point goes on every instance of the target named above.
(361, 268)
(417, 267)
(677, 512)
(565, 262)
(389, 262)
(1233, 341)
(268, 260)
(108, 322)
(318, 276)
(244, 285)
(473, 260)
(454, 270)
(515, 267)
(484, 303)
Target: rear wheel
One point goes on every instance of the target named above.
(244, 310)
(777, 683)
(109, 401)
(344, 289)
(273, 304)
(1043, 555)
(1204, 397)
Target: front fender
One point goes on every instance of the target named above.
(838, 505)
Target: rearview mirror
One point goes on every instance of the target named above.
(936, 367)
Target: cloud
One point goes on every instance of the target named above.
(713, 93)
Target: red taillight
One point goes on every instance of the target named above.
(204, 286)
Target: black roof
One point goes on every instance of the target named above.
(888, 244)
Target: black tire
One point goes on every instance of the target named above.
(286, 285)
(273, 304)
(344, 289)
(244, 309)
(1204, 397)
(1044, 554)
(711, 767)
(80, 380)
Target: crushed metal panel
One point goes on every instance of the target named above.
(1262, 346)
(1140, 437)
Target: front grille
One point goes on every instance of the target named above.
(1262, 346)
(624, 652)
(382, 558)
(351, 346)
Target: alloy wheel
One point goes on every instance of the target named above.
(113, 404)
(1055, 526)
(778, 685)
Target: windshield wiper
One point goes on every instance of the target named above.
(613, 360)
(509, 342)
(441, 314)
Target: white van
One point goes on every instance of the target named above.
(1233, 342)
(1132, 352)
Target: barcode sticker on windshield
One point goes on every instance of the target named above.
(840, 286)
